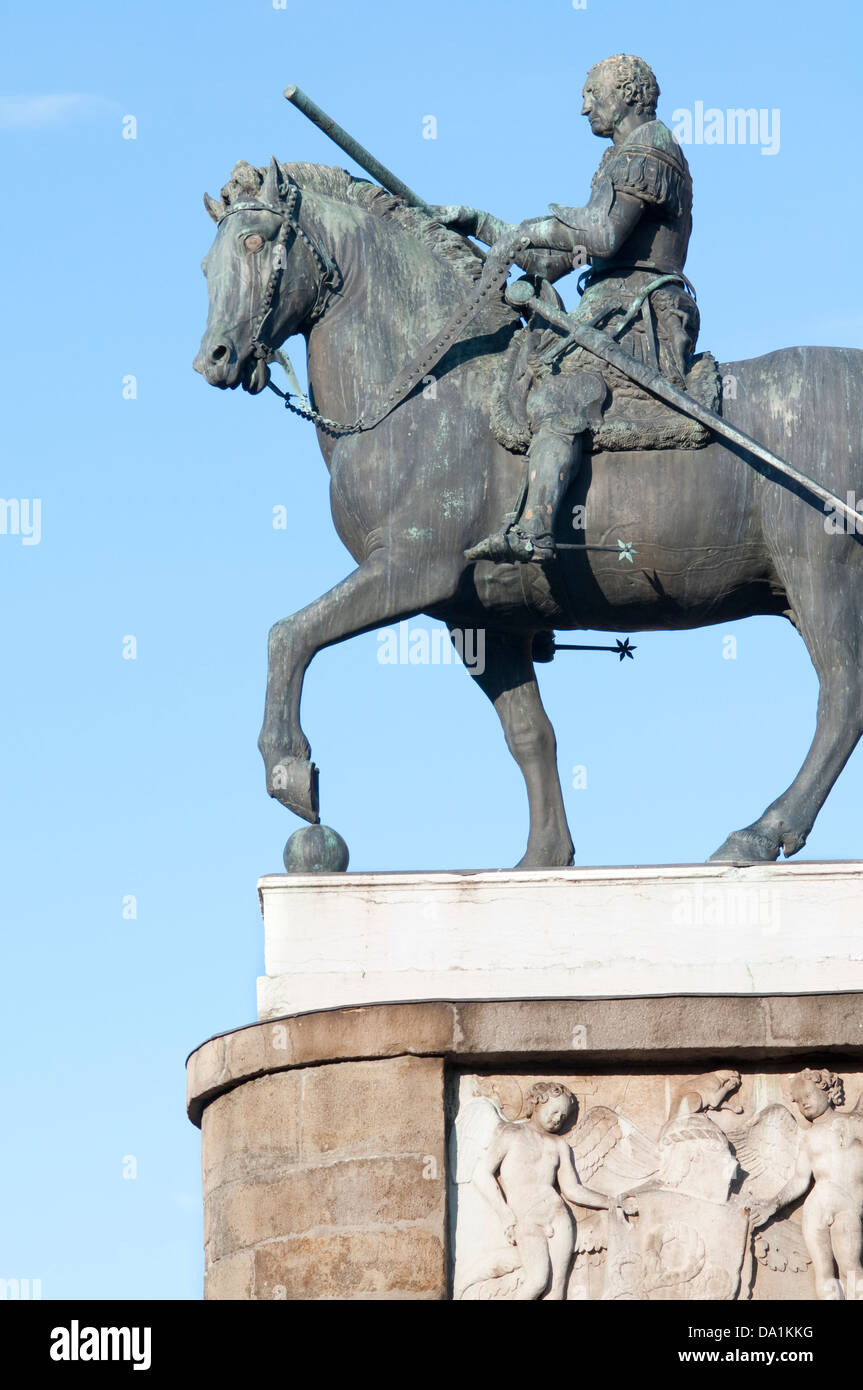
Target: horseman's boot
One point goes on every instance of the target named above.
(553, 460)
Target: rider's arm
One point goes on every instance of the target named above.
(473, 222)
(598, 229)
(551, 264)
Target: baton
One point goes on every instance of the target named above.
(357, 152)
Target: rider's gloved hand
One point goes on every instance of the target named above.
(460, 218)
(547, 234)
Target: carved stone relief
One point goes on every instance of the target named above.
(657, 1186)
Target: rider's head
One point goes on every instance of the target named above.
(618, 88)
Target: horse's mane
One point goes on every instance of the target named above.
(246, 181)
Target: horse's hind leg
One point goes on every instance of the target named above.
(837, 656)
(509, 681)
(385, 588)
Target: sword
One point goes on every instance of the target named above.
(521, 296)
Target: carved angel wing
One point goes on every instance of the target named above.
(767, 1152)
(850, 1125)
(611, 1154)
(476, 1125)
(501, 1286)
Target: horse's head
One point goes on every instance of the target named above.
(265, 277)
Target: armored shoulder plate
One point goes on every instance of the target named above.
(650, 165)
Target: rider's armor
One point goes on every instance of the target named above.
(567, 397)
(650, 166)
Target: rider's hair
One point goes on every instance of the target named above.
(541, 1091)
(624, 68)
(826, 1081)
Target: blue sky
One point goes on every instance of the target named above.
(140, 778)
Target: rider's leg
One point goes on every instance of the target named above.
(553, 459)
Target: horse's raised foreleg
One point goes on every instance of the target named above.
(787, 822)
(509, 681)
(385, 588)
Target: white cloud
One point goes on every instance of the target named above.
(52, 108)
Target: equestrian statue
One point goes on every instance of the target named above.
(587, 469)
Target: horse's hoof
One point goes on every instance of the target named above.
(294, 783)
(792, 844)
(547, 859)
(316, 849)
(746, 847)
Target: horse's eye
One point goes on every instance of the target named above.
(253, 242)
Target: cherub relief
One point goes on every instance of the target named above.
(553, 1205)
(829, 1167)
(524, 1170)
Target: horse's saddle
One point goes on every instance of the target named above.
(631, 418)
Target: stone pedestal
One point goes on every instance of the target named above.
(405, 1018)
(307, 1196)
(343, 939)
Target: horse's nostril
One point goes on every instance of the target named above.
(219, 353)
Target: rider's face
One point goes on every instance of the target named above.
(603, 104)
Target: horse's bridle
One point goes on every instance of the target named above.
(329, 278)
(491, 282)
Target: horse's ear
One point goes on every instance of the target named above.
(272, 189)
(216, 210)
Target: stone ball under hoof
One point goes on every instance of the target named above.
(316, 849)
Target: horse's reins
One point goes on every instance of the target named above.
(493, 278)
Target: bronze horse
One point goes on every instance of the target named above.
(717, 536)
